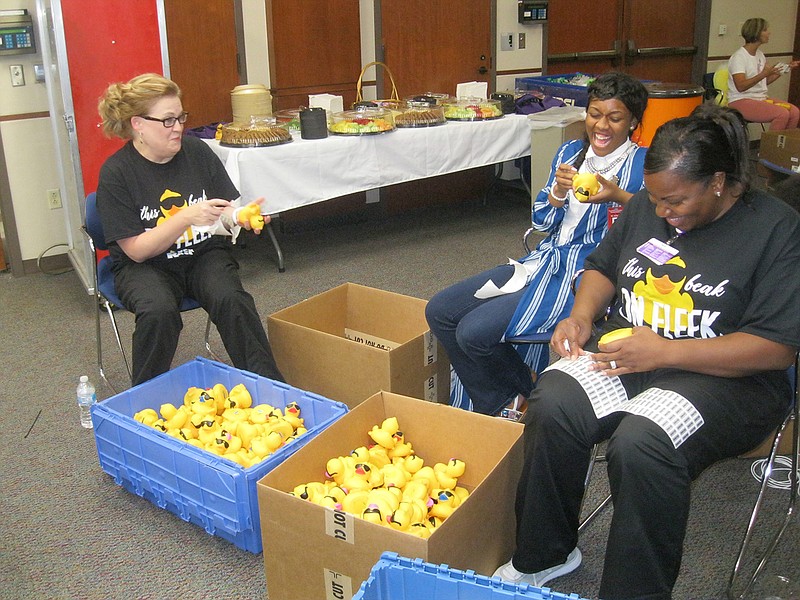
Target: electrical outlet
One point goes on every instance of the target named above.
(17, 75)
(723, 29)
(521, 42)
(54, 199)
(506, 41)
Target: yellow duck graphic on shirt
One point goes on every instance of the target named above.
(665, 294)
(173, 210)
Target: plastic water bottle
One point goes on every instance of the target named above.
(86, 397)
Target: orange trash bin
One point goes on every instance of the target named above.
(667, 101)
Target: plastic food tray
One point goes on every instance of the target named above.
(197, 485)
(396, 578)
(472, 109)
(362, 121)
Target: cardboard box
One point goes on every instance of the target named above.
(398, 578)
(198, 486)
(352, 341)
(336, 551)
(781, 149)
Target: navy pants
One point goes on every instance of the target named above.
(471, 330)
(154, 292)
(650, 478)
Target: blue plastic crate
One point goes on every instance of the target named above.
(572, 95)
(396, 578)
(198, 486)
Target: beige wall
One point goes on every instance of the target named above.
(29, 150)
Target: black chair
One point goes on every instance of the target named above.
(106, 295)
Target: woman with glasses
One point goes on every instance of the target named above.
(162, 199)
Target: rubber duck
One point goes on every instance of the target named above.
(202, 420)
(616, 334)
(247, 431)
(432, 523)
(462, 493)
(280, 426)
(220, 394)
(377, 456)
(420, 530)
(251, 214)
(239, 397)
(355, 502)
(428, 475)
(178, 418)
(394, 476)
(311, 491)
(167, 410)
(585, 185)
(207, 434)
(416, 490)
(401, 449)
(404, 516)
(385, 498)
(444, 503)
(444, 480)
(333, 497)
(360, 478)
(411, 463)
(373, 513)
(261, 447)
(292, 414)
(192, 395)
(260, 413)
(383, 435)
(236, 414)
(339, 468)
(148, 416)
(229, 442)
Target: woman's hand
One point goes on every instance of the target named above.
(563, 183)
(642, 351)
(204, 213)
(609, 192)
(569, 337)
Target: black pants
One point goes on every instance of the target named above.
(650, 478)
(153, 293)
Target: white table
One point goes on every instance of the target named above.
(304, 172)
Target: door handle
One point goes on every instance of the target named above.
(483, 70)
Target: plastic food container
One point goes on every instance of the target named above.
(472, 109)
(420, 114)
(431, 98)
(362, 121)
(289, 118)
(256, 134)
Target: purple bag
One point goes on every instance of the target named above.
(534, 102)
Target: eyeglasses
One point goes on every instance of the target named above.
(169, 122)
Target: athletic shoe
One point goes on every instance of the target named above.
(507, 572)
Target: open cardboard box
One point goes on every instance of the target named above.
(351, 341)
(335, 551)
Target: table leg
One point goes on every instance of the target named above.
(278, 251)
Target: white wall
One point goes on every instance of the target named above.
(29, 151)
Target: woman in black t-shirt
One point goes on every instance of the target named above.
(161, 198)
(706, 272)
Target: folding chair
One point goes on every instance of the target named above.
(793, 417)
(106, 295)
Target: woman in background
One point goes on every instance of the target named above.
(161, 197)
(473, 318)
(748, 77)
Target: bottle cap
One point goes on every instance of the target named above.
(84, 378)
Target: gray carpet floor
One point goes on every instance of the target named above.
(68, 531)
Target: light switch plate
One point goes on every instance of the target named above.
(17, 75)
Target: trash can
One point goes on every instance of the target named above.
(667, 101)
(550, 129)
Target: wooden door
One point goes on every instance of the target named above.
(432, 46)
(203, 57)
(640, 37)
(314, 48)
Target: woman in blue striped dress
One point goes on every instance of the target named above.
(473, 318)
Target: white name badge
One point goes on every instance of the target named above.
(657, 251)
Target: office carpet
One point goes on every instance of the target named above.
(68, 531)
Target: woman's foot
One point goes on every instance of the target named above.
(507, 572)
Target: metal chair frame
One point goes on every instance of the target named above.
(105, 295)
(792, 417)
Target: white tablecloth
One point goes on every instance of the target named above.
(307, 171)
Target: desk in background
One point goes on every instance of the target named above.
(304, 172)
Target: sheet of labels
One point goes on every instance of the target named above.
(669, 410)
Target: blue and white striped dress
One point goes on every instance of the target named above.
(548, 298)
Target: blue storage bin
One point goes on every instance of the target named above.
(552, 85)
(396, 578)
(198, 486)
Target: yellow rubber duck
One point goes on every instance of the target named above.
(251, 213)
(148, 416)
(292, 415)
(585, 185)
(239, 397)
(355, 501)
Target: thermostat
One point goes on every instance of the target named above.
(16, 33)
(532, 11)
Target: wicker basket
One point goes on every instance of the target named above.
(393, 102)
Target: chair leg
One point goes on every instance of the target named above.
(208, 341)
(594, 458)
(276, 245)
(793, 479)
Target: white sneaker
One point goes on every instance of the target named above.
(507, 572)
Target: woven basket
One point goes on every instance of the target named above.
(387, 102)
